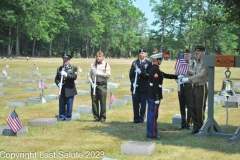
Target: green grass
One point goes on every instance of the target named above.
(83, 136)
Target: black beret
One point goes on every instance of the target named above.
(199, 48)
(66, 56)
(187, 51)
(142, 50)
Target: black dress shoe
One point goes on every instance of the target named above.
(102, 120)
(188, 127)
(95, 120)
(194, 131)
(181, 127)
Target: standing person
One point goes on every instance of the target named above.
(199, 91)
(68, 91)
(141, 67)
(184, 95)
(98, 74)
(155, 94)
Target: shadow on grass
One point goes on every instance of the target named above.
(128, 131)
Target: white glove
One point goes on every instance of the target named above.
(59, 84)
(63, 73)
(95, 72)
(157, 102)
(185, 80)
(92, 85)
(138, 71)
(180, 76)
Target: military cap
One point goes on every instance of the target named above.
(187, 51)
(156, 56)
(142, 50)
(99, 53)
(200, 48)
(66, 56)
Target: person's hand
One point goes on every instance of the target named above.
(59, 84)
(138, 70)
(184, 80)
(93, 85)
(180, 76)
(157, 102)
(63, 73)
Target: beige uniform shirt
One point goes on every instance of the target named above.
(103, 70)
(200, 76)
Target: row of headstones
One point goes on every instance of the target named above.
(232, 102)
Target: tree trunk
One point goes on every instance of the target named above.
(50, 49)
(9, 41)
(33, 47)
(17, 43)
(68, 41)
(163, 30)
(87, 46)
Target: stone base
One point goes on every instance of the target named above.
(84, 109)
(128, 98)
(120, 102)
(2, 93)
(112, 85)
(3, 84)
(43, 122)
(6, 131)
(30, 89)
(34, 100)
(51, 97)
(177, 119)
(81, 92)
(16, 104)
(138, 148)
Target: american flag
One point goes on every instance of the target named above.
(4, 72)
(14, 122)
(181, 65)
(40, 84)
(111, 98)
(119, 83)
(122, 75)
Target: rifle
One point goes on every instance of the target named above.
(135, 81)
(94, 88)
(60, 87)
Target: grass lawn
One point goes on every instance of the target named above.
(89, 140)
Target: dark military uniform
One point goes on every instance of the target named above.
(155, 93)
(140, 96)
(68, 91)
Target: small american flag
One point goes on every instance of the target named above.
(40, 84)
(119, 83)
(14, 122)
(4, 72)
(111, 98)
(181, 65)
(122, 75)
(7, 66)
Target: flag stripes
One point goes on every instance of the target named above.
(181, 65)
(14, 122)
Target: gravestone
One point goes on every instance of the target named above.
(2, 93)
(6, 77)
(51, 86)
(120, 102)
(43, 122)
(138, 148)
(34, 100)
(15, 72)
(128, 98)
(176, 119)
(50, 79)
(15, 82)
(170, 88)
(8, 132)
(15, 77)
(75, 116)
(166, 90)
(84, 109)
(112, 85)
(127, 84)
(30, 89)
(232, 102)
(51, 97)
(29, 81)
(3, 84)
(81, 92)
(16, 104)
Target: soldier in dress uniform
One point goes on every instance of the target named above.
(184, 95)
(142, 67)
(98, 74)
(68, 91)
(155, 94)
(199, 91)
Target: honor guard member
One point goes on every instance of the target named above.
(199, 91)
(155, 94)
(98, 74)
(184, 95)
(68, 91)
(141, 67)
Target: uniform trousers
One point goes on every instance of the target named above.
(139, 106)
(99, 98)
(65, 113)
(184, 97)
(152, 116)
(198, 105)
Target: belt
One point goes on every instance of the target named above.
(101, 83)
(198, 84)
